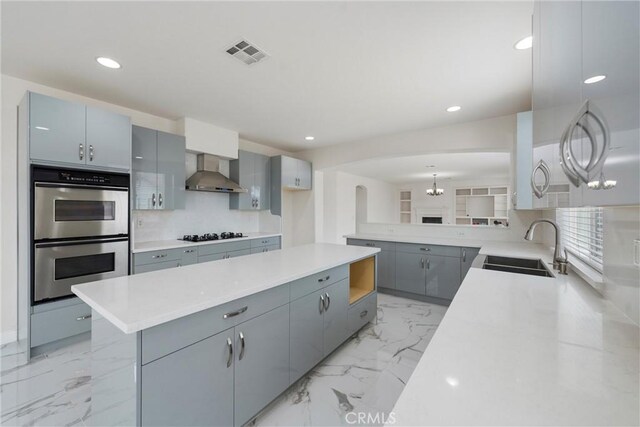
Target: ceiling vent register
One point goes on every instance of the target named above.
(247, 52)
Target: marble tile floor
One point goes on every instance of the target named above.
(365, 375)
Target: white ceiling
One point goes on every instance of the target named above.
(457, 166)
(340, 71)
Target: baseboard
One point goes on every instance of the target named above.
(8, 337)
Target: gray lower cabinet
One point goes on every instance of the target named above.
(265, 249)
(443, 276)
(307, 328)
(335, 315)
(198, 380)
(262, 362)
(163, 265)
(241, 252)
(410, 273)
(387, 269)
(468, 255)
(58, 320)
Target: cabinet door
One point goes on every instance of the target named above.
(144, 167)
(262, 362)
(108, 139)
(56, 130)
(443, 276)
(306, 326)
(241, 252)
(336, 315)
(468, 255)
(212, 257)
(262, 181)
(197, 380)
(610, 47)
(155, 266)
(387, 269)
(171, 171)
(289, 167)
(410, 272)
(241, 170)
(189, 256)
(304, 175)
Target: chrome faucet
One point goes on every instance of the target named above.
(559, 263)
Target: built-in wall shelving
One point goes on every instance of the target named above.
(405, 206)
(482, 205)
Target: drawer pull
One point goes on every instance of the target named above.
(189, 251)
(85, 317)
(364, 313)
(235, 313)
(426, 249)
(324, 279)
(159, 256)
(371, 244)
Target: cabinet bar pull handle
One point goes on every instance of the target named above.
(364, 313)
(159, 256)
(428, 264)
(426, 249)
(81, 151)
(160, 199)
(153, 199)
(464, 255)
(91, 153)
(235, 313)
(321, 303)
(230, 356)
(241, 355)
(422, 262)
(85, 317)
(328, 302)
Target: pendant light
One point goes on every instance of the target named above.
(435, 191)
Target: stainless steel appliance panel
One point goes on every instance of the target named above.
(67, 211)
(58, 266)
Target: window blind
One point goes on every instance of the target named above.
(581, 233)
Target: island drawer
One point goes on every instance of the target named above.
(151, 257)
(164, 339)
(452, 251)
(52, 325)
(309, 284)
(223, 247)
(385, 246)
(266, 241)
(363, 312)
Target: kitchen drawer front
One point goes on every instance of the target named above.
(385, 246)
(267, 241)
(261, 249)
(172, 336)
(241, 252)
(145, 268)
(189, 256)
(142, 258)
(363, 312)
(224, 247)
(306, 285)
(212, 257)
(453, 251)
(53, 325)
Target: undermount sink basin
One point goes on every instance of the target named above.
(533, 267)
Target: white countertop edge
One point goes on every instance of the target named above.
(160, 245)
(167, 317)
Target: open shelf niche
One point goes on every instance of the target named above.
(362, 277)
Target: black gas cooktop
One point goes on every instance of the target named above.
(211, 236)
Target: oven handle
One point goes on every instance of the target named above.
(81, 242)
(83, 186)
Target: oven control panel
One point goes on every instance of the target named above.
(84, 178)
(79, 177)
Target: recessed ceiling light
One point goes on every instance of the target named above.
(309, 138)
(525, 43)
(595, 79)
(108, 62)
(454, 108)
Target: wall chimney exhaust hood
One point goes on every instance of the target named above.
(209, 178)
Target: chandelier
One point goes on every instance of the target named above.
(435, 191)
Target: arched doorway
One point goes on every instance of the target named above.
(361, 206)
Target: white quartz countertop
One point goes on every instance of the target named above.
(524, 350)
(160, 245)
(134, 303)
(421, 240)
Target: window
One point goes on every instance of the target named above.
(581, 231)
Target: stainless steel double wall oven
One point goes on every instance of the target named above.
(80, 229)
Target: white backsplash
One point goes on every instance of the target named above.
(203, 213)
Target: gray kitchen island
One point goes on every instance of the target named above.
(215, 343)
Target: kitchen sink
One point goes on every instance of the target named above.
(533, 267)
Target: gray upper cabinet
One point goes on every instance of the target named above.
(443, 276)
(158, 169)
(307, 328)
(262, 362)
(410, 272)
(253, 172)
(57, 130)
(336, 307)
(198, 379)
(67, 132)
(288, 173)
(108, 139)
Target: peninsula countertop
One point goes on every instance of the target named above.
(134, 303)
(514, 349)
